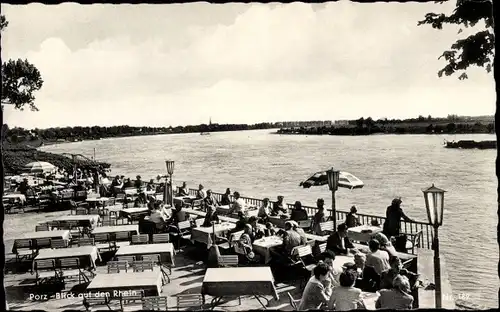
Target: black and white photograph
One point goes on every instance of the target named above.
(249, 156)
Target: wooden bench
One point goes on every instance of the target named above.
(155, 303)
(117, 266)
(46, 270)
(70, 267)
(161, 238)
(96, 301)
(189, 301)
(140, 239)
(58, 243)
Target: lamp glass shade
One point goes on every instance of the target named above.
(333, 179)
(170, 166)
(434, 203)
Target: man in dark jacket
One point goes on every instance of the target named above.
(338, 242)
(394, 213)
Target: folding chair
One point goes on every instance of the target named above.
(103, 242)
(228, 261)
(141, 266)
(293, 302)
(58, 243)
(189, 302)
(42, 227)
(98, 300)
(117, 266)
(182, 232)
(41, 243)
(45, 270)
(86, 241)
(161, 238)
(70, 267)
(140, 239)
(24, 249)
(155, 303)
(134, 296)
(326, 227)
(156, 259)
(81, 211)
(128, 259)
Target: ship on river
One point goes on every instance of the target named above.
(470, 144)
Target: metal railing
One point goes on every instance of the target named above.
(408, 227)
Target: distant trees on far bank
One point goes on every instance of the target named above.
(35, 137)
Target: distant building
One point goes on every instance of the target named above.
(341, 122)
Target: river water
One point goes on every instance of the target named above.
(260, 164)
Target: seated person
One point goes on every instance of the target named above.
(210, 217)
(300, 231)
(319, 217)
(158, 218)
(352, 219)
(377, 259)
(128, 184)
(387, 277)
(116, 182)
(265, 210)
(346, 297)
(298, 213)
(257, 233)
(201, 194)
(239, 204)
(397, 298)
(291, 239)
(244, 245)
(178, 215)
(183, 190)
(315, 295)
(338, 242)
(333, 276)
(226, 198)
(210, 200)
(279, 207)
(270, 230)
(385, 244)
(151, 186)
(138, 182)
(240, 224)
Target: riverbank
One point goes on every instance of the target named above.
(396, 128)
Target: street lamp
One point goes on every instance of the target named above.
(333, 184)
(434, 202)
(170, 170)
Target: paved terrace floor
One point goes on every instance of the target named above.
(186, 278)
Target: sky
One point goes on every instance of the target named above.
(180, 64)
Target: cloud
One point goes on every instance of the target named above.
(276, 58)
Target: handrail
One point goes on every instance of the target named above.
(409, 227)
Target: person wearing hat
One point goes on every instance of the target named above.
(201, 194)
(352, 219)
(396, 298)
(319, 217)
(279, 206)
(394, 214)
(299, 213)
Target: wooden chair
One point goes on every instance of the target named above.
(123, 236)
(141, 266)
(326, 227)
(120, 197)
(128, 259)
(305, 224)
(302, 253)
(98, 300)
(42, 227)
(197, 203)
(228, 261)
(156, 259)
(155, 304)
(117, 266)
(108, 222)
(228, 244)
(103, 242)
(24, 249)
(140, 239)
(81, 211)
(189, 302)
(413, 240)
(45, 270)
(83, 241)
(58, 243)
(293, 302)
(70, 267)
(322, 247)
(74, 228)
(94, 211)
(182, 232)
(41, 243)
(199, 222)
(161, 238)
(53, 225)
(133, 297)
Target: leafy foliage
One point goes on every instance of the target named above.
(476, 49)
(20, 80)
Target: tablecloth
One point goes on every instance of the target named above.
(149, 281)
(132, 228)
(86, 254)
(357, 233)
(204, 234)
(165, 250)
(264, 245)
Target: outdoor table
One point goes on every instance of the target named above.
(128, 282)
(113, 229)
(361, 234)
(96, 200)
(59, 234)
(87, 255)
(184, 199)
(116, 208)
(165, 250)
(250, 211)
(317, 238)
(233, 282)
(134, 213)
(88, 221)
(195, 212)
(263, 246)
(21, 198)
(341, 260)
(204, 234)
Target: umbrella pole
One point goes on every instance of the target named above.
(334, 211)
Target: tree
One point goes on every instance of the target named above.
(476, 49)
(20, 80)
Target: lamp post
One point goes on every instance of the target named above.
(333, 184)
(434, 203)
(170, 169)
